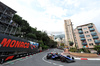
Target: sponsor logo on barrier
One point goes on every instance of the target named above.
(16, 44)
(10, 57)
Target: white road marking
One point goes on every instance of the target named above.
(77, 58)
(45, 60)
(93, 59)
(54, 64)
(61, 65)
(87, 59)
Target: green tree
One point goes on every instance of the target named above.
(62, 44)
(17, 19)
(73, 49)
(31, 33)
(71, 43)
(97, 47)
(42, 45)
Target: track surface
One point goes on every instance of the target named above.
(40, 60)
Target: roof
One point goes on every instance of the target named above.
(8, 7)
(84, 24)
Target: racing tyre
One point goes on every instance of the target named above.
(73, 58)
(48, 57)
(68, 56)
(63, 59)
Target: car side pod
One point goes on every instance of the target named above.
(70, 60)
(67, 59)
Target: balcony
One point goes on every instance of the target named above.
(9, 15)
(84, 43)
(92, 29)
(79, 28)
(82, 39)
(80, 32)
(95, 37)
(4, 21)
(82, 35)
(93, 33)
(1, 10)
(90, 26)
(97, 41)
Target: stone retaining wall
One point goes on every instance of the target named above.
(66, 51)
(84, 54)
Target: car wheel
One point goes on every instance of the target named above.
(63, 59)
(48, 57)
(73, 58)
(68, 56)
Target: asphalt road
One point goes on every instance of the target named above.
(40, 60)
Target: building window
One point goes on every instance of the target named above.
(89, 39)
(91, 44)
(87, 35)
(86, 32)
(84, 28)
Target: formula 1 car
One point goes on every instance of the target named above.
(62, 58)
(53, 56)
(67, 59)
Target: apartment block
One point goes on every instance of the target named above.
(69, 33)
(7, 25)
(86, 36)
